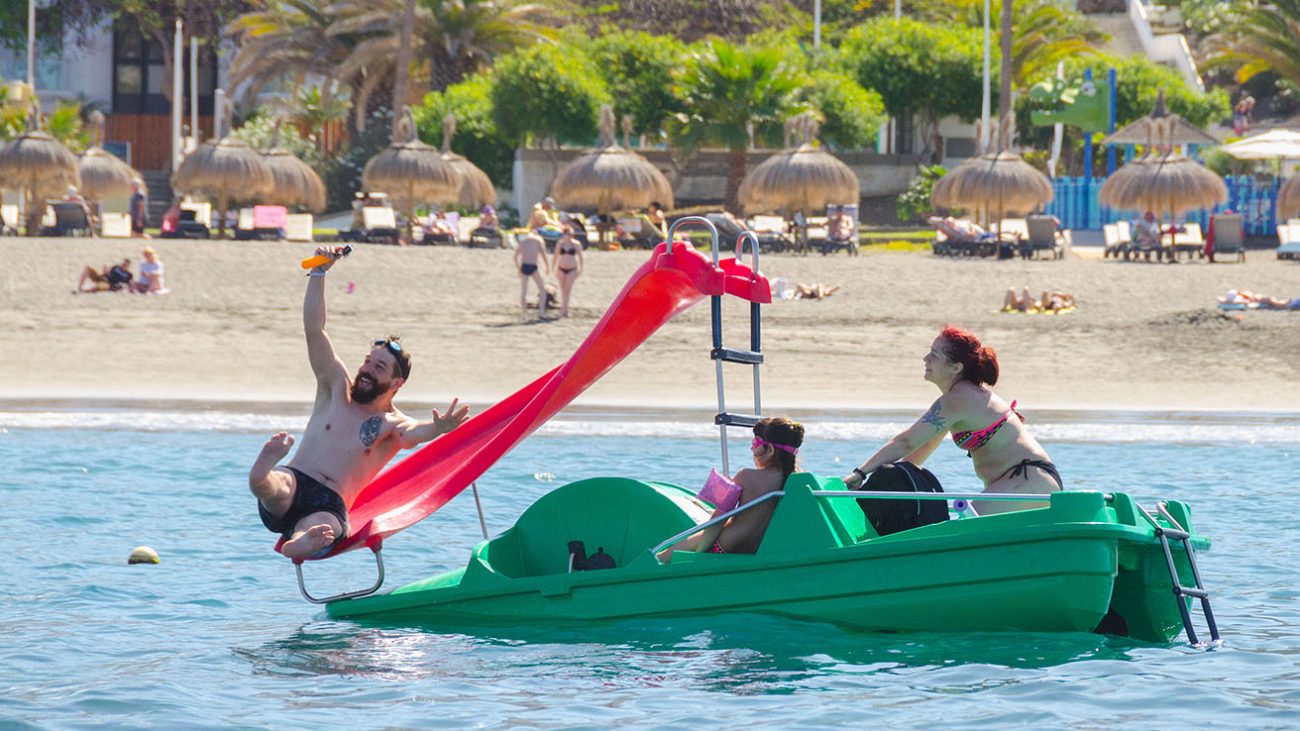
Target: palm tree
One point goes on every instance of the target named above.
(1046, 33)
(288, 38)
(1264, 37)
(731, 96)
(450, 39)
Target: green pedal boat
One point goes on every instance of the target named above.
(1088, 561)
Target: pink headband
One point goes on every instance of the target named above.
(763, 442)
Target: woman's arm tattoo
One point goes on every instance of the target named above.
(934, 417)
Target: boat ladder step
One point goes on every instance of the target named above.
(742, 420)
(727, 355)
(1182, 592)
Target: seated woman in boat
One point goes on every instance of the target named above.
(992, 432)
(775, 447)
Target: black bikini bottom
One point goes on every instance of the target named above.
(1022, 470)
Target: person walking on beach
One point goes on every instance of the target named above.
(138, 208)
(354, 430)
(530, 251)
(992, 432)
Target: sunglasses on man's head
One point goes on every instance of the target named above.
(393, 346)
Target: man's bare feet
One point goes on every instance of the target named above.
(308, 542)
(272, 452)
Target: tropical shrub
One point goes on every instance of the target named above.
(851, 115)
(914, 204)
(638, 67)
(477, 136)
(546, 92)
(919, 69)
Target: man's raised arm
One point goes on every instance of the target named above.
(325, 363)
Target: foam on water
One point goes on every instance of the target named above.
(1058, 427)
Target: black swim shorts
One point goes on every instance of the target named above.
(309, 497)
(527, 269)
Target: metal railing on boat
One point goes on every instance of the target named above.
(1179, 533)
(720, 354)
(858, 495)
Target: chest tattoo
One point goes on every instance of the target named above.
(370, 430)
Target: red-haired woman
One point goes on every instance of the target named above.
(991, 431)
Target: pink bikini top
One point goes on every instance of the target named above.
(972, 440)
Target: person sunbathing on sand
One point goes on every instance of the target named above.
(1055, 301)
(354, 430)
(1251, 299)
(1023, 302)
(816, 291)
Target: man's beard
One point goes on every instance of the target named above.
(364, 393)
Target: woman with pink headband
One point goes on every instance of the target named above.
(775, 449)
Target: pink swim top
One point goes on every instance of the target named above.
(972, 440)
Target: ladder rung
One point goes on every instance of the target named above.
(735, 420)
(1192, 592)
(736, 356)
(1176, 534)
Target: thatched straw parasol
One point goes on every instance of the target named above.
(476, 188)
(294, 183)
(411, 171)
(1001, 182)
(804, 178)
(1163, 182)
(1288, 198)
(1178, 130)
(224, 167)
(611, 177)
(40, 165)
(103, 174)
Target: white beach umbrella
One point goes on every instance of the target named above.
(1271, 145)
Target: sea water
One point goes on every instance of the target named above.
(217, 636)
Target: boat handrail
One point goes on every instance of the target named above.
(713, 233)
(888, 495)
(715, 521)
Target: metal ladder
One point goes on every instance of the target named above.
(720, 354)
(1180, 534)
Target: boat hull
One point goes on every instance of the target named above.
(1058, 569)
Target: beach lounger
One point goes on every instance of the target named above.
(850, 244)
(9, 219)
(1118, 239)
(70, 219)
(951, 241)
(773, 233)
(261, 223)
(299, 227)
(1044, 237)
(1288, 237)
(115, 225)
(1228, 236)
(1189, 241)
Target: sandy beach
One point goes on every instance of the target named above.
(1144, 337)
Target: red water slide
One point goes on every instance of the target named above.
(662, 288)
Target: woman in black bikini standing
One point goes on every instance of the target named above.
(992, 432)
(568, 265)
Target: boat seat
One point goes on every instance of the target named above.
(625, 517)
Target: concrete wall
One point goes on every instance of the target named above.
(703, 178)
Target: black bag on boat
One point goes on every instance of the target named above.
(893, 515)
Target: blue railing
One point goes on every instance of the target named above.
(1075, 203)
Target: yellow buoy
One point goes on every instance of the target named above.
(143, 554)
